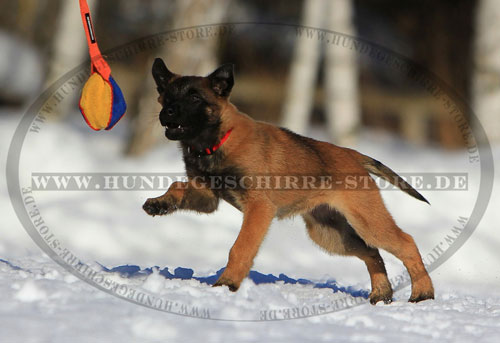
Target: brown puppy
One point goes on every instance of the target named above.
(267, 172)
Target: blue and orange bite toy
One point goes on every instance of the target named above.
(101, 102)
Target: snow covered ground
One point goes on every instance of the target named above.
(42, 302)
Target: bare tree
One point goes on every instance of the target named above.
(189, 56)
(69, 48)
(486, 79)
(304, 69)
(341, 86)
(341, 78)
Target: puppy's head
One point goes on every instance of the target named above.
(191, 104)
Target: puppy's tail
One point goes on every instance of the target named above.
(377, 168)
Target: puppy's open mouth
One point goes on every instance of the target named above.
(175, 130)
(175, 126)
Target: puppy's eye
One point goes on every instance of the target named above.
(195, 98)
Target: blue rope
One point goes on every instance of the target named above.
(13, 266)
(258, 278)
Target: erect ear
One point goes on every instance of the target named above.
(161, 74)
(222, 80)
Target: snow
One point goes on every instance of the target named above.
(43, 302)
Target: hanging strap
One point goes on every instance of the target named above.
(97, 61)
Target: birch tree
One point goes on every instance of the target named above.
(304, 69)
(341, 78)
(486, 79)
(195, 57)
(341, 85)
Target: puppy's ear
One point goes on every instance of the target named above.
(222, 80)
(161, 74)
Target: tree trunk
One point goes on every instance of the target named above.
(341, 78)
(486, 79)
(191, 56)
(69, 49)
(304, 69)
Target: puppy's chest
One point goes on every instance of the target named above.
(218, 175)
(203, 165)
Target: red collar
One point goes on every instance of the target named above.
(210, 151)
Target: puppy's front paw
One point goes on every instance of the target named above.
(233, 287)
(158, 207)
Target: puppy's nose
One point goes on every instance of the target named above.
(163, 118)
(170, 111)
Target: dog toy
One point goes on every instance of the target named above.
(101, 102)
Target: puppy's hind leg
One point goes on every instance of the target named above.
(367, 214)
(331, 231)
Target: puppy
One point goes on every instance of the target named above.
(267, 171)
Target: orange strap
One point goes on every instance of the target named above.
(97, 61)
